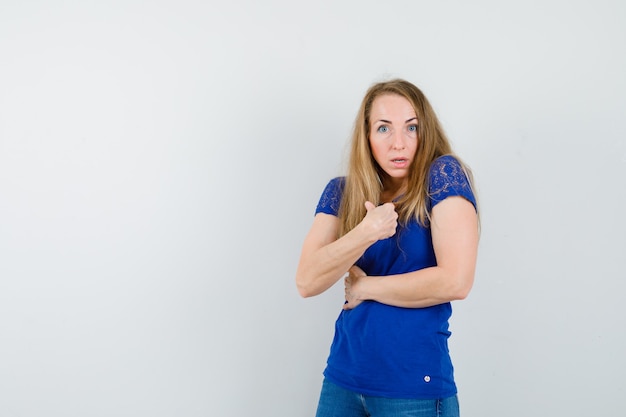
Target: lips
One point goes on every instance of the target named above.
(400, 162)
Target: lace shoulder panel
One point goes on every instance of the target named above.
(331, 197)
(447, 178)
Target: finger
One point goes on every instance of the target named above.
(355, 271)
(369, 206)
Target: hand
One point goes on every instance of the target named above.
(352, 283)
(381, 221)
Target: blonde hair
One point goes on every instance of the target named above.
(364, 179)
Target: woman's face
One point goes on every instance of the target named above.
(393, 134)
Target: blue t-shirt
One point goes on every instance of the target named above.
(389, 351)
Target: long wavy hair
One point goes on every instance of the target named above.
(364, 179)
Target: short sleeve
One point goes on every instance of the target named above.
(446, 179)
(331, 197)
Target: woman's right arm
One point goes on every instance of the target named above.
(325, 259)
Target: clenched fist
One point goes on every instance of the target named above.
(380, 221)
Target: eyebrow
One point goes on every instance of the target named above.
(387, 121)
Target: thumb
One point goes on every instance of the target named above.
(369, 206)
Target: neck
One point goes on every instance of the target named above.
(392, 188)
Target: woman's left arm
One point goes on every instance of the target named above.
(454, 228)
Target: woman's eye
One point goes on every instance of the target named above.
(413, 128)
(383, 129)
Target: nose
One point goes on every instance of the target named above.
(398, 140)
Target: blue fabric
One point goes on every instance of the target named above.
(388, 351)
(339, 402)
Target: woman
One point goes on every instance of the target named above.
(403, 225)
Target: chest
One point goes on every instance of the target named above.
(408, 250)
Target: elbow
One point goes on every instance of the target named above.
(307, 292)
(461, 294)
(304, 293)
(304, 289)
(462, 288)
(308, 289)
(308, 283)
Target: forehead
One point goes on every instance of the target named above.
(389, 105)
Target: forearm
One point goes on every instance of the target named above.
(322, 268)
(325, 259)
(418, 289)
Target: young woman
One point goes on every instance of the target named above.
(403, 225)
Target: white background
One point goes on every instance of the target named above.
(160, 162)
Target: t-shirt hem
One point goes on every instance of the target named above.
(391, 394)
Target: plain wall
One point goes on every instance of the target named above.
(160, 162)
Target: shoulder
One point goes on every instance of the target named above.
(444, 165)
(331, 196)
(448, 177)
(335, 186)
(337, 182)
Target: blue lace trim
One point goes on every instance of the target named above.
(447, 178)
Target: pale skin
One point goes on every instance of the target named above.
(454, 226)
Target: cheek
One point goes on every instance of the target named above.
(377, 150)
(376, 147)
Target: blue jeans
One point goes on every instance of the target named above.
(338, 402)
